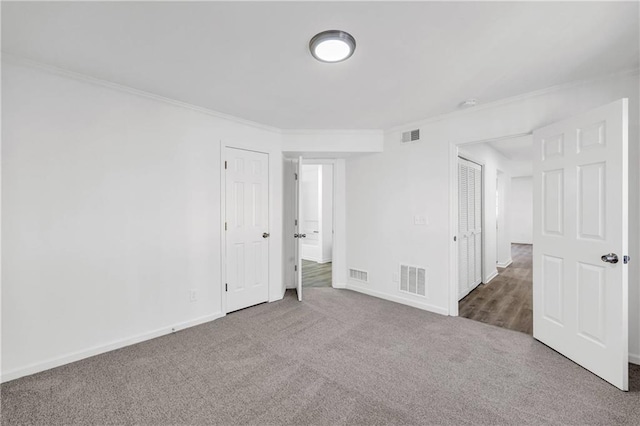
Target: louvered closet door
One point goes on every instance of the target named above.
(469, 226)
(477, 222)
(463, 239)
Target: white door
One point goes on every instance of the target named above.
(299, 236)
(469, 226)
(247, 228)
(580, 299)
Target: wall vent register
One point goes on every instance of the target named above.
(413, 279)
(411, 136)
(356, 274)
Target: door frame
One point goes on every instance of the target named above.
(333, 163)
(223, 212)
(454, 153)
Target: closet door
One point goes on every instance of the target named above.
(469, 226)
(477, 232)
(463, 227)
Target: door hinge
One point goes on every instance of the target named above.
(295, 268)
(455, 238)
(296, 175)
(295, 222)
(626, 259)
(225, 164)
(226, 287)
(225, 226)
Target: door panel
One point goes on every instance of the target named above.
(246, 217)
(580, 214)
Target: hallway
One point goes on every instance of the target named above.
(507, 301)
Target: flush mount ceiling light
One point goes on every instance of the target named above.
(332, 46)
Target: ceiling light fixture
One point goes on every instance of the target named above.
(332, 46)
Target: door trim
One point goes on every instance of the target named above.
(223, 212)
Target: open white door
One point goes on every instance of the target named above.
(580, 285)
(298, 234)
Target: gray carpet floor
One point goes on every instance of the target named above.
(339, 357)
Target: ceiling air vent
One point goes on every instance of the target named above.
(411, 136)
(413, 279)
(356, 274)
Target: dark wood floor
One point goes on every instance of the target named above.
(316, 274)
(507, 300)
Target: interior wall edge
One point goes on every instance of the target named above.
(108, 347)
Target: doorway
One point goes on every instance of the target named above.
(316, 224)
(504, 298)
(580, 236)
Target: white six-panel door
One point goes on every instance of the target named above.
(247, 228)
(580, 299)
(469, 226)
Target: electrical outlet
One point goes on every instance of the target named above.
(193, 295)
(420, 220)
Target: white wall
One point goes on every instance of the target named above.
(520, 210)
(111, 215)
(503, 232)
(385, 191)
(497, 247)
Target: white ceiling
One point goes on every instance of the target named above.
(413, 60)
(516, 149)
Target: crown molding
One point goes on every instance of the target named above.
(23, 61)
(509, 100)
(332, 132)
(20, 60)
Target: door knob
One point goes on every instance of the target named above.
(265, 235)
(610, 258)
(303, 235)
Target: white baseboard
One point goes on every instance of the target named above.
(316, 259)
(504, 264)
(398, 299)
(97, 350)
(339, 285)
(634, 359)
(490, 277)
